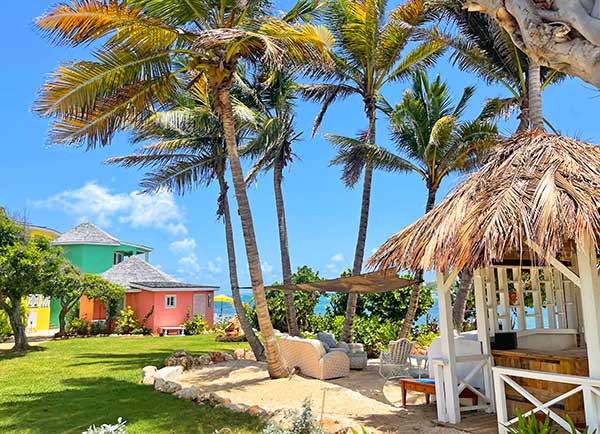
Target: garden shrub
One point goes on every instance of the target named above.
(303, 423)
(127, 322)
(194, 325)
(78, 327)
(97, 327)
(5, 327)
(118, 428)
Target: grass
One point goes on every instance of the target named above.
(68, 385)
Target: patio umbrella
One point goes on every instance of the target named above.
(222, 298)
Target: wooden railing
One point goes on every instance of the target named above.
(588, 386)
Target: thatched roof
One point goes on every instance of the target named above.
(363, 283)
(535, 186)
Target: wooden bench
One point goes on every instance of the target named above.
(428, 388)
(165, 331)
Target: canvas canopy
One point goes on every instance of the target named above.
(364, 283)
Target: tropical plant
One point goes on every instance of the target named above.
(482, 47)
(271, 147)
(118, 428)
(187, 149)
(127, 322)
(372, 50)
(194, 325)
(434, 141)
(532, 425)
(78, 327)
(302, 423)
(26, 267)
(152, 48)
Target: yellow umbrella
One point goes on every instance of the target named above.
(222, 298)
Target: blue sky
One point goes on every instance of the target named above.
(60, 187)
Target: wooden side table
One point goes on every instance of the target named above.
(427, 387)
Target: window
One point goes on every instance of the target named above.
(170, 301)
(209, 300)
(118, 257)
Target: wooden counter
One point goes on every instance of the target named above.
(573, 361)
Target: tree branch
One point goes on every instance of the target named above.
(564, 36)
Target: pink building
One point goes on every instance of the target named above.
(160, 297)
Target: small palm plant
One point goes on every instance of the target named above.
(531, 425)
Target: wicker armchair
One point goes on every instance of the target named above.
(310, 357)
(395, 362)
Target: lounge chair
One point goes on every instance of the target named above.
(355, 351)
(310, 357)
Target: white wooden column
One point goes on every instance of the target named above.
(451, 402)
(481, 311)
(590, 294)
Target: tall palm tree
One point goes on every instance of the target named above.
(149, 49)
(371, 52)
(187, 150)
(274, 93)
(484, 48)
(434, 141)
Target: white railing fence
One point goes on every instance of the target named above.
(589, 387)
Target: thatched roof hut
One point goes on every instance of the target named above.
(535, 186)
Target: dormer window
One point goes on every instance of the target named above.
(118, 257)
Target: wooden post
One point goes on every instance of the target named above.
(483, 334)
(501, 411)
(590, 293)
(450, 382)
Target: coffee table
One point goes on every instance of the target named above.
(427, 387)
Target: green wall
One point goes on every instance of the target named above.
(95, 259)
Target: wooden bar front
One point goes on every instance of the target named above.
(572, 362)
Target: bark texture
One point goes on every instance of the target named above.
(535, 96)
(257, 347)
(275, 364)
(560, 34)
(413, 304)
(14, 317)
(286, 266)
(465, 286)
(359, 252)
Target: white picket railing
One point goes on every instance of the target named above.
(588, 386)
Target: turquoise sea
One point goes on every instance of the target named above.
(228, 310)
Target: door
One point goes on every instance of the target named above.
(31, 319)
(200, 305)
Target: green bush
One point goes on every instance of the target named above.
(531, 425)
(303, 423)
(97, 328)
(195, 325)
(424, 334)
(127, 322)
(78, 327)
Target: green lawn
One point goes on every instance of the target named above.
(74, 383)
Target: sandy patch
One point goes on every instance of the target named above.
(363, 398)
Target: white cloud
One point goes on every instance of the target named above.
(214, 267)
(189, 264)
(266, 267)
(338, 257)
(98, 204)
(334, 262)
(183, 246)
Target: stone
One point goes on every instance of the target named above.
(149, 374)
(202, 361)
(217, 357)
(169, 372)
(188, 393)
(166, 386)
(257, 411)
(180, 358)
(227, 357)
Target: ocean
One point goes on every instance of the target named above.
(226, 310)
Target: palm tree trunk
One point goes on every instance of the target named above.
(535, 96)
(276, 366)
(524, 115)
(465, 285)
(413, 304)
(286, 266)
(359, 252)
(62, 320)
(257, 347)
(16, 322)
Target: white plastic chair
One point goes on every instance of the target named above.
(395, 362)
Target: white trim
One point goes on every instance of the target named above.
(174, 289)
(174, 306)
(82, 243)
(138, 246)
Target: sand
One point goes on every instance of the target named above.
(362, 399)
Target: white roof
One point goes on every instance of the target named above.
(86, 233)
(134, 269)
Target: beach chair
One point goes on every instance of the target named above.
(395, 362)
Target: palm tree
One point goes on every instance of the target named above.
(371, 47)
(272, 148)
(150, 49)
(484, 48)
(434, 141)
(187, 150)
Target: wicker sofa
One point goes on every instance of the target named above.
(310, 357)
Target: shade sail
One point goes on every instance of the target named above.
(363, 283)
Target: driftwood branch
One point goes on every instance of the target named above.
(560, 34)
